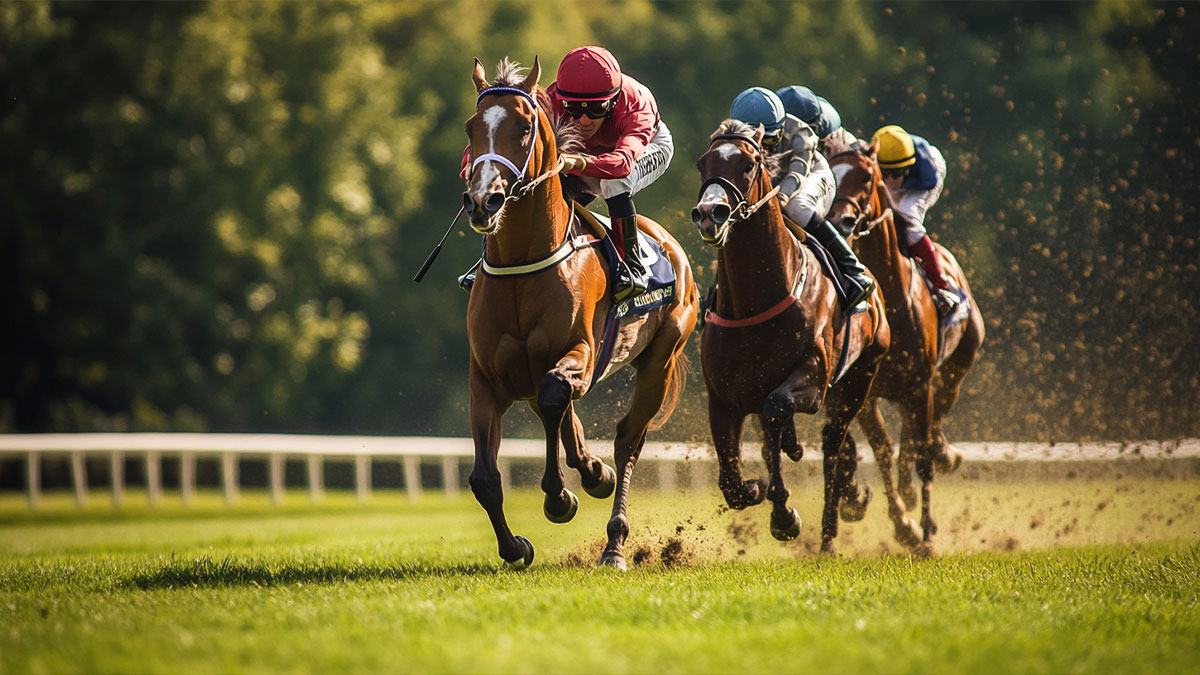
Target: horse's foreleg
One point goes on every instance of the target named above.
(554, 395)
(726, 426)
(778, 423)
(649, 391)
(598, 479)
(486, 417)
(871, 422)
(919, 447)
(840, 459)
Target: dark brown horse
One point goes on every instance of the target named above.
(536, 318)
(923, 371)
(777, 339)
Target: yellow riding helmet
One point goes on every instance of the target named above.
(895, 147)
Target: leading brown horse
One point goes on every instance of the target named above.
(923, 371)
(777, 341)
(536, 314)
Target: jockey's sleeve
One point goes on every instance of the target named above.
(636, 129)
(804, 144)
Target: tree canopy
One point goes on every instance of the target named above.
(214, 210)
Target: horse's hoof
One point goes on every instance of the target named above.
(757, 488)
(855, 510)
(907, 533)
(614, 561)
(789, 531)
(608, 483)
(572, 508)
(925, 551)
(947, 460)
(526, 558)
(828, 549)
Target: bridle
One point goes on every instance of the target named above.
(742, 208)
(522, 186)
(862, 213)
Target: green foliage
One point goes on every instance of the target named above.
(215, 210)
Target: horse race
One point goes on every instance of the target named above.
(622, 336)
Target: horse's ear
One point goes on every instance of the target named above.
(531, 80)
(873, 148)
(758, 134)
(479, 77)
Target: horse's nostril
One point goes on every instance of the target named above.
(697, 216)
(493, 202)
(468, 205)
(720, 213)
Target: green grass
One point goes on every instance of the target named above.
(1075, 576)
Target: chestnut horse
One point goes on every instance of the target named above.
(924, 370)
(777, 340)
(534, 331)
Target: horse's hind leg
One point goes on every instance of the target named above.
(840, 459)
(486, 416)
(655, 368)
(871, 422)
(598, 479)
(947, 387)
(726, 427)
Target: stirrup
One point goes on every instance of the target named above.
(467, 281)
(865, 286)
(628, 282)
(945, 300)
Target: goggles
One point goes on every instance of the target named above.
(593, 109)
(769, 141)
(895, 173)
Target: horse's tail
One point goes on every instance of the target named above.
(675, 382)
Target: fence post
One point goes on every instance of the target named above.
(153, 477)
(116, 471)
(277, 478)
(229, 476)
(33, 478)
(79, 477)
(450, 475)
(187, 477)
(316, 477)
(412, 477)
(362, 477)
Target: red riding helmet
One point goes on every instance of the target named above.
(588, 74)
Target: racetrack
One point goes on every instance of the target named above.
(1092, 573)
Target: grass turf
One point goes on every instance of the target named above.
(1076, 576)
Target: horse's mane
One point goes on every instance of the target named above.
(776, 163)
(566, 134)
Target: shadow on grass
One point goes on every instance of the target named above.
(206, 572)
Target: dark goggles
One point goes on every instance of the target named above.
(769, 141)
(593, 109)
(895, 173)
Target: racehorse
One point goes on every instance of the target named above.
(777, 340)
(536, 314)
(924, 370)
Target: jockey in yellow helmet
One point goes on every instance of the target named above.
(914, 172)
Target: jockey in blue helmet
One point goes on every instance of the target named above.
(808, 189)
(819, 114)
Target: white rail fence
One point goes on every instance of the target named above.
(414, 451)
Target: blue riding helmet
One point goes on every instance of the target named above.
(813, 110)
(757, 106)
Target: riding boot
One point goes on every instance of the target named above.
(944, 297)
(630, 274)
(859, 283)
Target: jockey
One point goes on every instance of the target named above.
(628, 146)
(808, 189)
(914, 172)
(819, 114)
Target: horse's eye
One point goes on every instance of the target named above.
(525, 130)
(749, 169)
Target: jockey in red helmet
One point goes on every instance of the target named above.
(628, 146)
